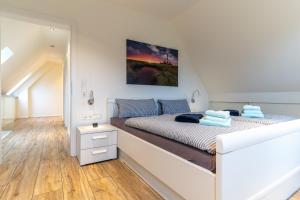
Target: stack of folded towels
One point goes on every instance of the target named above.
(252, 112)
(216, 118)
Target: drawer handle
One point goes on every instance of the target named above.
(99, 151)
(99, 137)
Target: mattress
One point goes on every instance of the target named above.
(189, 153)
(195, 135)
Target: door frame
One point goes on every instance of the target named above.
(46, 20)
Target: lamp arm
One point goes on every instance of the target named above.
(91, 99)
(197, 91)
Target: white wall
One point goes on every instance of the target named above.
(46, 94)
(8, 111)
(66, 91)
(267, 108)
(98, 53)
(281, 103)
(22, 104)
(8, 107)
(0, 82)
(41, 94)
(100, 61)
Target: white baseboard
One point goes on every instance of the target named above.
(151, 180)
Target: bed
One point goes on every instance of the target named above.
(257, 163)
(194, 155)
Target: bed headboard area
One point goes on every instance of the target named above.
(112, 109)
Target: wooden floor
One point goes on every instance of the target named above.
(35, 165)
(296, 196)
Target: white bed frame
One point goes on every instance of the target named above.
(260, 163)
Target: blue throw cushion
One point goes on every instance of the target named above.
(136, 107)
(174, 106)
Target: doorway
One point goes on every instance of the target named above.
(35, 72)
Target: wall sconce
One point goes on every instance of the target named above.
(195, 92)
(91, 100)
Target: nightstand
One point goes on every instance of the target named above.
(96, 144)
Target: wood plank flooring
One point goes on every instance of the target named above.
(296, 196)
(35, 164)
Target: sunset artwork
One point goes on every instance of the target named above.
(151, 65)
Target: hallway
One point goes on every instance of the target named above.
(35, 165)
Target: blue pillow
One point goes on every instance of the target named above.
(136, 107)
(174, 106)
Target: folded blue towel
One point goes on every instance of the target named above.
(253, 115)
(189, 118)
(220, 114)
(233, 112)
(254, 112)
(214, 123)
(216, 119)
(250, 107)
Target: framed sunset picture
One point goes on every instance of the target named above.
(151, 65)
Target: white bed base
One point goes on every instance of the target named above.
(260, 163)
(156, 184)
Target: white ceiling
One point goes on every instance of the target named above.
(163, 8)
(167, 9)
(31, 46)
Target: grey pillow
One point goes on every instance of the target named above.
(136, 107)
(174, 106)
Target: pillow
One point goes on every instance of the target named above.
(174, 106)
(136, 107)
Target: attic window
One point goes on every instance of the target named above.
(6, 53)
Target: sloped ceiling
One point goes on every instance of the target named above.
(244, 46)
(166, 9)
(31, 46)
(236, 46)
(36, 76)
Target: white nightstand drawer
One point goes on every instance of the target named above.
(98, 154)
(94, 140)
